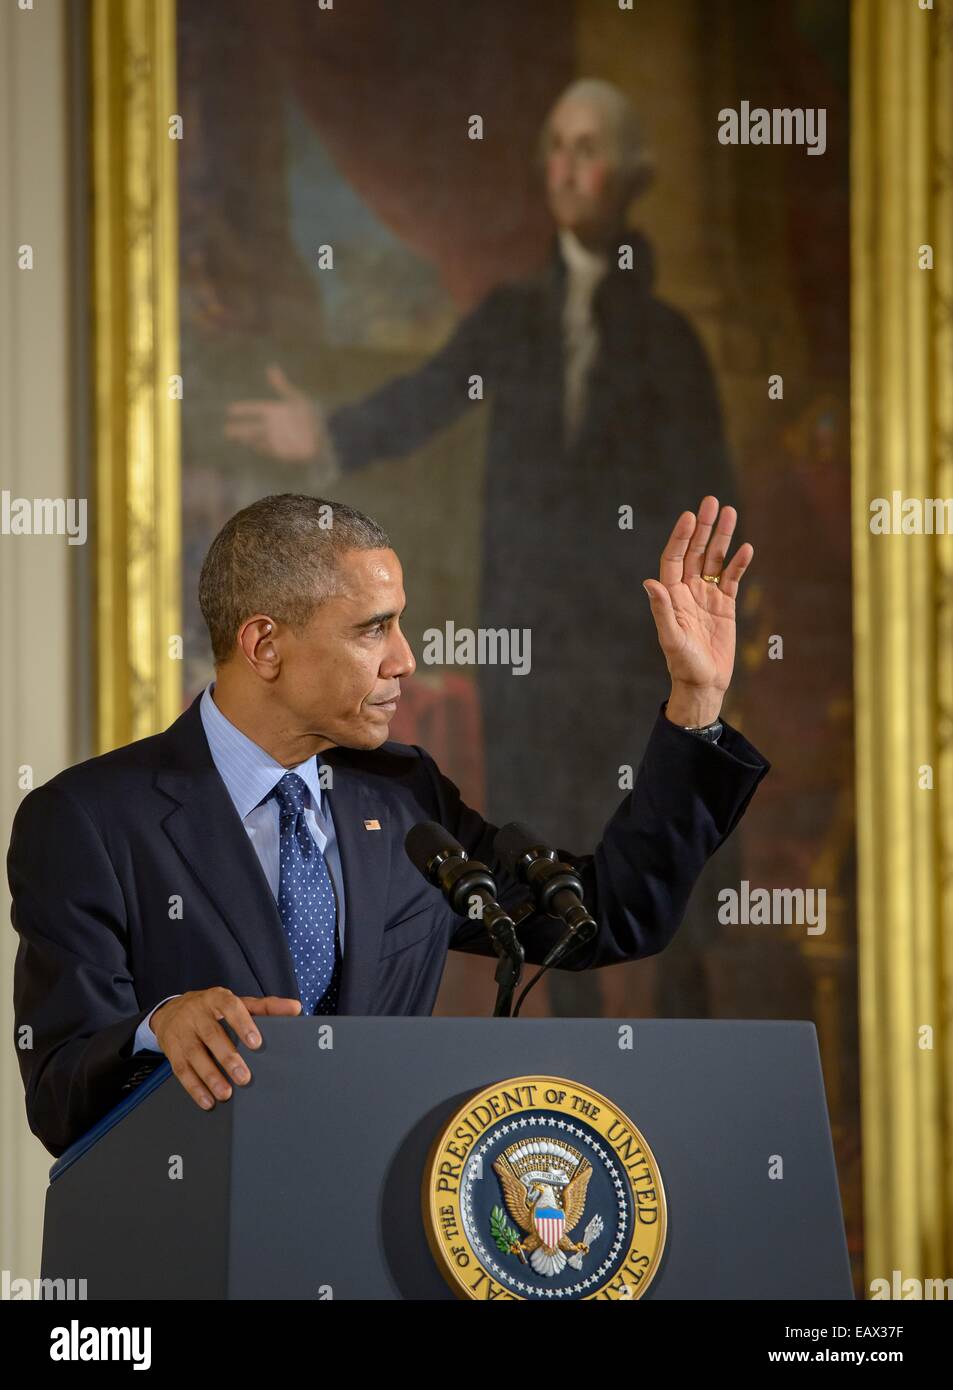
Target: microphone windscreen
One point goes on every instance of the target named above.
(426, 840)
(513, 841)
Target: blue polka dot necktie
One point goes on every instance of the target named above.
(306, 902)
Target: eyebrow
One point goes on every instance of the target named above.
(377, 618)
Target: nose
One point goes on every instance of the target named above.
(560, 170)
(400, 659)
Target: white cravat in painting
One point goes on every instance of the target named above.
(585, 269)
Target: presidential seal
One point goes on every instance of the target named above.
(540, 1188)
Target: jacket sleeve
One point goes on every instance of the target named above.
(407, 411)
(76, 1010)
(687, 798)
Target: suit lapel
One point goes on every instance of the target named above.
(206, 830)
(365, 864)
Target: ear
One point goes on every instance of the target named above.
(260, 646)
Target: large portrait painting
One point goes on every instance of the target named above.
(523, 282)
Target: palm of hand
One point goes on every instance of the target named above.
(703, 650)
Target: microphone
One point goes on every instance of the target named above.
(445, 863)
(556, 885)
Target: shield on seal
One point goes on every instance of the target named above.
(550, 1223)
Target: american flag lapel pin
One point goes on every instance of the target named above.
(372, 825)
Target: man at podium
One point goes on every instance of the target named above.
(250, 859)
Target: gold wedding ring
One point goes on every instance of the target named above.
(711, 578)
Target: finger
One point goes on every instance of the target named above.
(707, 513)
(273, 1004)
(718, 545)
(200, 1059)
(663, 612)
(189, 1079)
(196, 1055)
(247, 432)
(280, 382)
(673, 556)
(222, 1049)
(240, 1020)
(226, 1005)
(731, 576)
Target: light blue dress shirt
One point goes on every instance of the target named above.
(250, 775)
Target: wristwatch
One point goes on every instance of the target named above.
(711, 733)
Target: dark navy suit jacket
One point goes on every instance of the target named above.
(99, 853)
(554, 556)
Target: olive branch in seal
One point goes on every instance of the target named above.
(506, 1237)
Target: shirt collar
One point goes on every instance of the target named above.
(249, 773)
(580, 260)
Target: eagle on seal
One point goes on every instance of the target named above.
(545, 1217)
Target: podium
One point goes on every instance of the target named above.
(307, 1183)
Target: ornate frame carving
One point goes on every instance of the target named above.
(135, 351)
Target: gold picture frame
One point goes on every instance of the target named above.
(902, 440)
(137, 466)
(902, 422)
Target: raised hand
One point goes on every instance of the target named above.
(695, 617)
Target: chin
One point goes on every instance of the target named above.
(370, 737)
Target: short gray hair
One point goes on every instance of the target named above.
(278, 556)
(634, 158)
